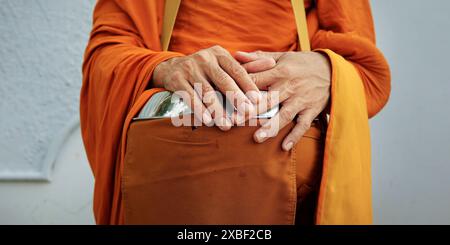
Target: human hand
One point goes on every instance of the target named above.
(302, 82)
(199, 75)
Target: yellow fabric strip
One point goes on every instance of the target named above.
(298, 7)
(345, 195)
(170, 14)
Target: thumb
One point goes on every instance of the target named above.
(259, 65)
(245, 57)
(262, 54)
(253, 63)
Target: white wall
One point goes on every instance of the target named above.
(41, 49)
(67, 199)
(41, 45)
(411, 137)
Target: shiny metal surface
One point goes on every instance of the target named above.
(167, 104)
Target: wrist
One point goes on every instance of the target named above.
(161, 70)
(157, 76)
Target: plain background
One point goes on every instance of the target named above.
(41, 47)
(411, 137)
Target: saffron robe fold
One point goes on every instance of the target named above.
(124, 48)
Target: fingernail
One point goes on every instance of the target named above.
(225, 124)
(228, 122)
(262, 136)
(288, 146)
(206, 118)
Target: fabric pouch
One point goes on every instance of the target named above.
(201, 175)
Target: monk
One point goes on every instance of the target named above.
(244, 47)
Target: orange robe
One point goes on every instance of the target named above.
(124, 48)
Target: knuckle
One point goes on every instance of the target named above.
(208, 94)
(301, 105)
(254, 78)
(285, 71)
(287, 114)
(169, 83)
(198, 86)
(308, 105)
(202, 56)
(272, 99)
(224, 58)
(258, 52)
(209, 97)
(217, 48)
(304, 125)
(221, 79)
(207, 88)
(187, 65)
(292, 83)
(291, 87)
(177, 76)
(237, 70)
(170, 86)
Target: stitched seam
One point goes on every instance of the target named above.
(293, 197)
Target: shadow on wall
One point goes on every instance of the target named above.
(67, 199)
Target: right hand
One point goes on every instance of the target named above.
(211, 68)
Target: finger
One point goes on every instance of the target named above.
(212, 102)
(196, 105)
(259, 65)
(272, 98)
(230, 89)
(240, 76)
(264, 79)
(276, 123)
(244, 57)
(240, 119)
(217, 111)
(304, 121)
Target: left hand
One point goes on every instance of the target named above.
(302, 81)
